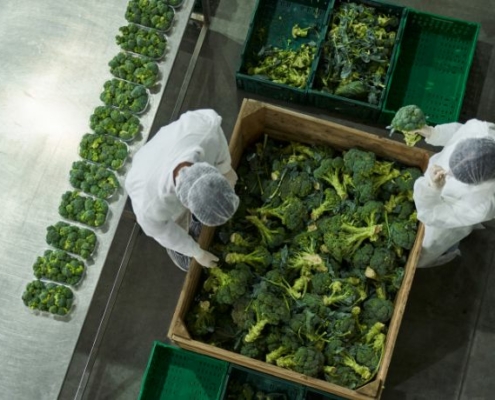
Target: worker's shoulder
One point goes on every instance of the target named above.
(205, 116)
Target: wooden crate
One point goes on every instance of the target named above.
(258, 118)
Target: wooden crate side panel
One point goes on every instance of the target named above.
(266, 368)
(287, 125)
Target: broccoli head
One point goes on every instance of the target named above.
(306, 360)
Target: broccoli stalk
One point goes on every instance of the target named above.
(270, 237)
(331, 202)
(260, 256)
(269, 309)
(292, 212)
(306, 360)
(331, 171)
(228, 286)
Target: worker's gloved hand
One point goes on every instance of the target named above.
(231, 177)
(206, 259)
(425, 131)
(437, 175)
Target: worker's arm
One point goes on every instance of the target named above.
(434, 210)
(440, 134)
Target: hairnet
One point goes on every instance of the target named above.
(473, 160)
(207, 194)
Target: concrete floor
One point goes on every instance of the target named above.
(446, 345)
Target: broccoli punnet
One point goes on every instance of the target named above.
(306, 360)
(59, 266)
(330, 203)
(111, 121)
(134, 69)
(259, 257)
(146, 42)
(228, 286)
(331, 172)
(49, 297)
(270, 237)
(407, 120)
(292, 212)
(268, 309)
(64, 236)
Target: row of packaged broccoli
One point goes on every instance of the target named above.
(103, 153)
(311, 263)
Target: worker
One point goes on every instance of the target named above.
(457, 192)
(180, 180)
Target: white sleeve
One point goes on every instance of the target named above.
(171, 236)
(223, 162)
(441, 134)
(435, 211)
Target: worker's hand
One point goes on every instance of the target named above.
(437, 175)
(206, 259)
(425, 131)
(231, 177)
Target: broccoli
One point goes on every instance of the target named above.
(269, 309)
(59, 266)
(134, 69)
(320, 283)
(103, 149)
(382, 263)
(297, 31)
(363, 371)
(407, 120)
(240, 240)
(331, 172)
(228, 286)
(349, 239)
(288, 344)
(80, 241)
(306, 360)
(403, 233)
(49, 297)
(341, 293)
(111, 121)
(155, 14)
(201, 319)
(147, 42)
(359, 163)
(270, 237)
(93, 179)
(376, 309)
(126, 96)
(89, 211)
(362, 256)
(330, 203)
(277, 278)
(296, 184)
(292, 212)
(260, 257)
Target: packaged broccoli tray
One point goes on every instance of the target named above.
(312, 263)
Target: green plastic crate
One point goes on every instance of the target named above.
(271, 25)
(280, 389)
(357, 108)
(312, 394)
(174, 373)
(432, 68)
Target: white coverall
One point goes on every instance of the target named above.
(451, 212)
(196, 137)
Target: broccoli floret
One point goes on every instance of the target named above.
(259, 257)
(331, 172)
(382, 263)
(277, 278)
(362, 256)
(306, 360)
(408, 119)
(228, 286)
(341, 293)
(269, 309)
(270, 237)
(297, 31)
(376, 309)
(363, 371)
(295, 184)
(403, 233)
(359, 163)
(292, 212)
(330, 203)
(201, 319)
(320, 283)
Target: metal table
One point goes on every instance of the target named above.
(53, 66)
